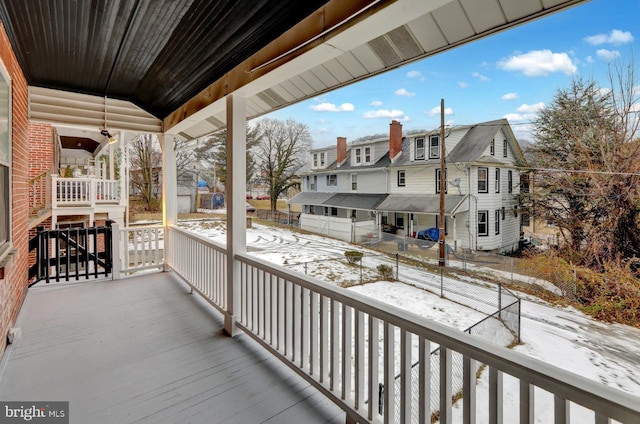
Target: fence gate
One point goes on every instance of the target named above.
(71, 253)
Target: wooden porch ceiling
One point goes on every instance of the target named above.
(177, 60)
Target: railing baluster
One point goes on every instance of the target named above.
(347, 313)
(495, 396)
(405, 376)
(359, 363)
(324, 338)
(445, 385)
(334, 366)
(314, 333)
(560, 410)
(305, 334)
(469, 390)
(372, 376)
(295, 323)
(527, 403)
(389, 372)
(424, 388)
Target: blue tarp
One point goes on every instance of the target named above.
(432, 234)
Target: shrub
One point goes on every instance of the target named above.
(353, 256)
(385, 271)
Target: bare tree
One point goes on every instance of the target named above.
(283, 147)
(586, 159)
(145, 157)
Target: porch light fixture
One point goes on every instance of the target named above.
(112, 138)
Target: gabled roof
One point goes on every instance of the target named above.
(477, 139)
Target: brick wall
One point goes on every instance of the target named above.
(41, 150)
(13, 287)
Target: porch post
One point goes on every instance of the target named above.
(169, 184)
(236, 191)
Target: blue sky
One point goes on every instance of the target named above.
(509, 75)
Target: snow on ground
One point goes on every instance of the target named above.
(564, 337)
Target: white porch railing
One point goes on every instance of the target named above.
(346, 344)
(86, 191)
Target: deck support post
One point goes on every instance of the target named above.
(169, 186)
(236, 187)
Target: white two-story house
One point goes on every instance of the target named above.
(393, 185)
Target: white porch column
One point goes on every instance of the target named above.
(236, 188)
(169, 180)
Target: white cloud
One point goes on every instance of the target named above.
(376, 103)
(510, 96)
(385, 113)
(535, 108)
(462, 84)
(539, 63)
(480, 76)
(404, 92)
(330, 107)
(436, 111)
(415, 74)
(514, 117)
(615, 37)
(589, 59)
(608, 55)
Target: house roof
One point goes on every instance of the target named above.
(428, 203)
(355, 200)
(310, 198)
(475, 142)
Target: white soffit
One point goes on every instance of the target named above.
(401, 33)
(58, 107)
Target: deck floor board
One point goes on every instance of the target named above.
(143, 350)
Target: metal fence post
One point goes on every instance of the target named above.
(397, 265)
(519, 319)
(499, 300)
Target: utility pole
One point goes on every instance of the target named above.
(443, 186)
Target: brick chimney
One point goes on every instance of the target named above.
(342, 149)
(395, 139)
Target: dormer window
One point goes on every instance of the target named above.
(419, 150)
(367, 155)
(434, 147)
(358, 155)
(322, 159)
(315, 160)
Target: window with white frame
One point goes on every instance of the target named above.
(497, 180)
(358, 155)
(332, 180)
(438, 180)
(5, 160)
(419, 150)
(505, 148)
(313, 183)
(354, 182)
(483, 180)
(367, 155)
(510, 181)
(322, 159)
(492, 147)
(315, 160)
(434, 147)
(401, 178)
(497, 221)
(483, 223)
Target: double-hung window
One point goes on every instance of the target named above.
(497, 221)
(492, 147)
(419, 153)
(434, 147)
(510, 181)
(358, 155)
(322, 160)
(332, 180)
(483, 180)
(401, 178)
(5, 161)
(497, 180)
(505, 148)
(483, 223)
(354, 182)
(367, 155)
